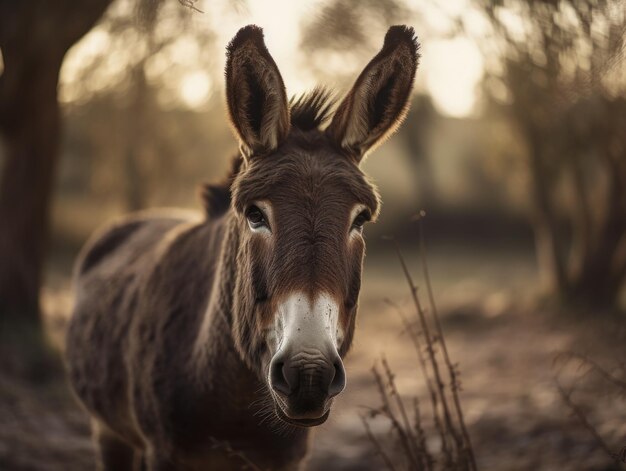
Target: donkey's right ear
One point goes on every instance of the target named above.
(257, 101)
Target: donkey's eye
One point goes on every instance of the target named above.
(361, 219)
(256, 218)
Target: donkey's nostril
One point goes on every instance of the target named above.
(292, 378)
(277, 378)
(339, 380)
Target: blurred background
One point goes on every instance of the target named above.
(515, 146)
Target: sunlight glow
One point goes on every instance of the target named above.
(96, 63)
(280, 20)
(453, 69)
(194, 89)
(450, 68)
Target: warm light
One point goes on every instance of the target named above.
(450, 69)
(194, 89)
(453, 68)
(82, 56)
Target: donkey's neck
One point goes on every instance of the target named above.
(214, 341)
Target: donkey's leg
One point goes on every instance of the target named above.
(114, 454)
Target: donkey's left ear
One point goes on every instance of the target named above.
(257, 101)
(378, 101)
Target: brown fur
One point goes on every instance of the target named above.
(166, 348)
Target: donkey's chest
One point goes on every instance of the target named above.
(222, 433)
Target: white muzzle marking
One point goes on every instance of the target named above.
(307, 325)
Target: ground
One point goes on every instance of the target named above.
(506, 342)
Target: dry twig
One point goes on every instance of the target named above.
(379, 449)
(455, 448)
(566, 396)
(232, 453)
(579, 413)
(454, 381)
(191, 4)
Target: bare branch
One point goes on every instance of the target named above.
(231, 452)
(582, 418)
(454, 383)
(377, 445)
(191, 4)
(430, 350)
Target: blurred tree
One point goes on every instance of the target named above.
(34, 38)
(561, 79)
(347, 30)
(141, 96)
(350, 31)
(141, 128)
(419, 125)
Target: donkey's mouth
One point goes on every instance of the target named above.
(301, 422)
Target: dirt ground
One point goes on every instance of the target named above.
(507, 349)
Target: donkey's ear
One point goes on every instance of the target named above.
(378, 101)
(257, 101)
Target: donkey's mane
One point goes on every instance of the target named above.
(216, 196)
(311, 110)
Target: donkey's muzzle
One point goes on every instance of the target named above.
(305, 384)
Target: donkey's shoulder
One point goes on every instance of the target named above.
(110, 238)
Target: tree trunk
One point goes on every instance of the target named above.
(420, 123)
(546, 225)
(34, 37)
(601, 277)
(30, 127)
(136, 140)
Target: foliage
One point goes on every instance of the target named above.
(139, 142)
(345, 31)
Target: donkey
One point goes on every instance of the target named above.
(212, 343)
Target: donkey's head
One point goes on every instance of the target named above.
(301, 202)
